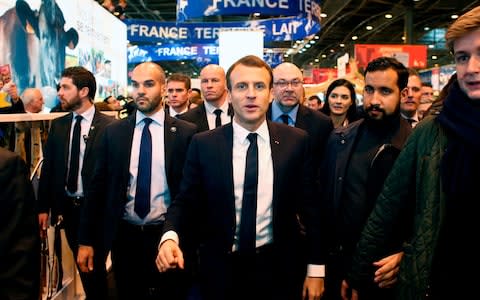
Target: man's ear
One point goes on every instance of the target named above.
(404, 93)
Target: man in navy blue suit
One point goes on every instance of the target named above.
(210, 202)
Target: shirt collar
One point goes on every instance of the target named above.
(158, 117)
(241, 133)
(87, 115)
(277, 112)
(210, 108)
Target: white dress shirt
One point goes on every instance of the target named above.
(85, 127)
(159, 192)
(211, 116)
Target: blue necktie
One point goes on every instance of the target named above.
(248, 224)
(284, 118)
(74, 156)
(144, 175)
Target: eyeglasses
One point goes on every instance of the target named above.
(283, 83)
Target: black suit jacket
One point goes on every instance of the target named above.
(19, 239)
(206, 203)
(198, 116)
(316, 124)
(107, 195)
(54, 169)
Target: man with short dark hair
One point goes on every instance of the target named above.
(178, 93)
(68, 167)
(243, 188)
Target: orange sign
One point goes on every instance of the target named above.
(412, 56)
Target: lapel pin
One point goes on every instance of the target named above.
(276, 142)
(173, 129)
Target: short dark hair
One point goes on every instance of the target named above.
(315, 97)
(384, 63)
(180, 78)
(81, 78)
(427, 84)
(249, 61)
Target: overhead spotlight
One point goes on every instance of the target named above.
(426, 28)
(369, 27)
(354, 37)
(388, 16)
(434, 57)
(342, 45)
(323, 15)
(454, 17)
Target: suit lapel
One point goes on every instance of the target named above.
(202, 118)
(275, 146)
(170, 133)
(225, 145)
(64, 135)
(125, 145)
(302, 117)
(92, 132)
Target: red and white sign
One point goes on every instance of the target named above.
(412, 56)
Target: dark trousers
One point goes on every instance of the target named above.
(136, 275)
(95, 282)
(258, 276)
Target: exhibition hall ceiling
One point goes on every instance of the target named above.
(364, 19)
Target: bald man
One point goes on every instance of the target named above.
(32, 100)
(286, 108)
(123, 209)
(31, 136)
(215, 111)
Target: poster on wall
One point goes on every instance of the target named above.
(412, 56)
(42, 37)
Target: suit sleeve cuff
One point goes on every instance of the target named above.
(169, 235)
(316, 270)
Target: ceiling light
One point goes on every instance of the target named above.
(342, 45)
(323, 15)
(257, 14)
(431, 46)
(454, 16)
(388, 16)
(324, 55)
(308, 46)
(426, 28)
(316, 37)
(354, 37)
(434, 57)
(369, 27)
(317, 60)
(312, 42)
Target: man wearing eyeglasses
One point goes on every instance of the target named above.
(286, 108)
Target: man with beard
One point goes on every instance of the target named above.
(68, 166)
(357, 160)
(432, 189)
(136, 178)
(215, 111)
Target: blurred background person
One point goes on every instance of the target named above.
(411, 101)
(178, 93)
(340, 103)
(314, 102)
(195, 97)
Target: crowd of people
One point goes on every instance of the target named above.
(254, 192)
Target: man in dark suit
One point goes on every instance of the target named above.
(215, 110)
(242, 204)
(68, 165)
(19, 240)
(126, 205)
(287, 108)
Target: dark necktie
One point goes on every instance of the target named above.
(248, 217)
(74, 156)
(410, 121)
(142, 195)
(218, 120)
(284, 118)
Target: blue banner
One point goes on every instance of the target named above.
(202, 54)
(191, 9)
(280, 29)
